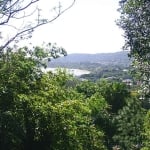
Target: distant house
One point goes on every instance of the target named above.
(125, 70)
(128, 82)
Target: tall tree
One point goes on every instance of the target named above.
(115, 94)
(129, 125)
(134, 20)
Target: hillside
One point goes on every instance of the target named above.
(118, 58)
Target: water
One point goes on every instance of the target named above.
(75, 72)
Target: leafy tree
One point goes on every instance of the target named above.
(97, 104)
(87, 88)
(20, 74)
(38, 111)
(115, 93)
(134, 21)
(101, 117)
(105, 99)
(146, 132)
(129, 124)
(78, 132)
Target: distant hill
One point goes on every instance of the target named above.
(117, 58)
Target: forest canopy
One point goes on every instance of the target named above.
(56, 111)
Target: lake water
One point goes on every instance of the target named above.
(75, 72)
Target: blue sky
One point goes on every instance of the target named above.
(88, 27)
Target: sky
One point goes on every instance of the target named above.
(88, 27)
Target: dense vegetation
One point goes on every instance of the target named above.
(56, 111)
(134, 20)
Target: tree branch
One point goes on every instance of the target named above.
(10, 12)
(29, 30)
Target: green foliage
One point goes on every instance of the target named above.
(97, 104)
(134, 21)
(101, 117)
(146, 132)
(87, 88)
(39, 110)
(54, 111)
(129, 124)
(105, 99)
(115, 93)
(73, 119)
